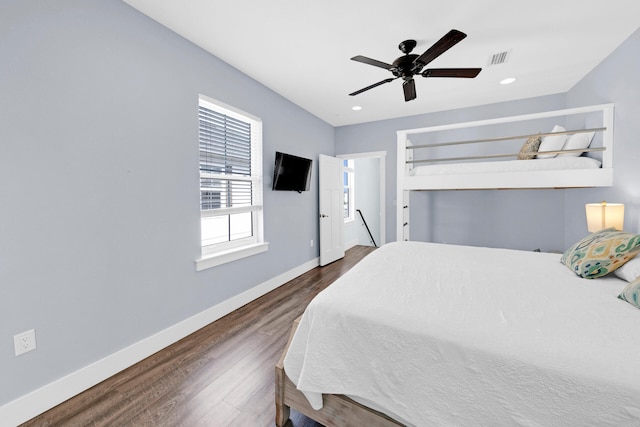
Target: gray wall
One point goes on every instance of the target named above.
(523, 219)
(616, 79)
(99, 206)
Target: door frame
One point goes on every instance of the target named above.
(381, 156)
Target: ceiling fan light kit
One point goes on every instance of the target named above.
(409, 65)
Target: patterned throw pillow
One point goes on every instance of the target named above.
(601, 253)
(531, 145)
(631, 293)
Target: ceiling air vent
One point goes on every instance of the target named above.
(499, 58)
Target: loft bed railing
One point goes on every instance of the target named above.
(501, 139)
(408, 159)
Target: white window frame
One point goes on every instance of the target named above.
(220, 253)
(349, 169)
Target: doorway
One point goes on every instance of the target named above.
(368, 200)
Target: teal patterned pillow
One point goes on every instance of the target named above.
(601, 253)
(631, 293)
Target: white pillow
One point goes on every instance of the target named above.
(630, 271)
(552, 143)
(577, 141)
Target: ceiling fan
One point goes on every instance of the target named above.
(409, 65)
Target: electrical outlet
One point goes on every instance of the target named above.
(311, 243)
(25, 342)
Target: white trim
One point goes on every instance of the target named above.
(218, 258)
(210, 213)
(511, 119)
(219, 253)
(38, 401)
(362, 155)
(383, 200)
(402, 195)
(570, 178)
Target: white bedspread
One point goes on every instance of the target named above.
(444, 335)
(556, 163)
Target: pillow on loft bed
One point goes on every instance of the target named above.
(552, 143)
(529, 148)
(601, 253)
(577, 141)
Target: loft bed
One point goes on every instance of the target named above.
(490, 154)
(432, 334)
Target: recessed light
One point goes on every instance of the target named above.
(356, 108)
(508, 81)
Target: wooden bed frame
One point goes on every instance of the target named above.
(337, 410)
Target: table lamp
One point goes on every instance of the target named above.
(604, 215)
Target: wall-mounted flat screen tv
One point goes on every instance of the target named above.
(291, 173)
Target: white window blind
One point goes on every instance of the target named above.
(230, 171)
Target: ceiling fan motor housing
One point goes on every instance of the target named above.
(406, 67)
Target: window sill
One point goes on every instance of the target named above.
(213, 260)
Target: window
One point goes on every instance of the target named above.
(349, 193)
(230, 183)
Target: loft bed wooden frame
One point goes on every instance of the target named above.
(337, 409)
(538, 179)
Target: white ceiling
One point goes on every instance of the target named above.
(301, 49)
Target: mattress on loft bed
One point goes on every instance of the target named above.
(507, 166)
(434, 334)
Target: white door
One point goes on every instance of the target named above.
(331, 191)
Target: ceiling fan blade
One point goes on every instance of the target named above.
(370, 61)
(467, 73)
(441, 46)
(409, 87)
(390, 79)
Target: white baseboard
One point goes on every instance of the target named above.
(38, 401)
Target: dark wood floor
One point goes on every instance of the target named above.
(221, 375)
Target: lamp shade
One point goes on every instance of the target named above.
(604, 215)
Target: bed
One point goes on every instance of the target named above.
(431, 334)
(575, 150)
